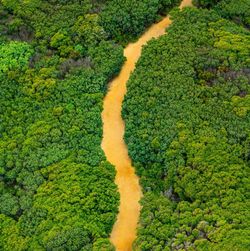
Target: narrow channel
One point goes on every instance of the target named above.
(114, 147)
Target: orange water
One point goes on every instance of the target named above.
(124, 230)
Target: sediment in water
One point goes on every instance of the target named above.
(114, 147)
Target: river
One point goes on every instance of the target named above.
(114, 147)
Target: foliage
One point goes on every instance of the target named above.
(14, 56)
(57, 190)
(187, 129)
(238, 11)
(206, 3)
(55, 182)
(124, 20)
(190, 145)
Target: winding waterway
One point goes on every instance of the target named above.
(114, 147)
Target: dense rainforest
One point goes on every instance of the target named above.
(57, 190)
(187, 116)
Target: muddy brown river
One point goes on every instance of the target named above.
(115, 149)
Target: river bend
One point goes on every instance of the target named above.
(114, 147)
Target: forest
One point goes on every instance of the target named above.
(187, 116)
(57, 190)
